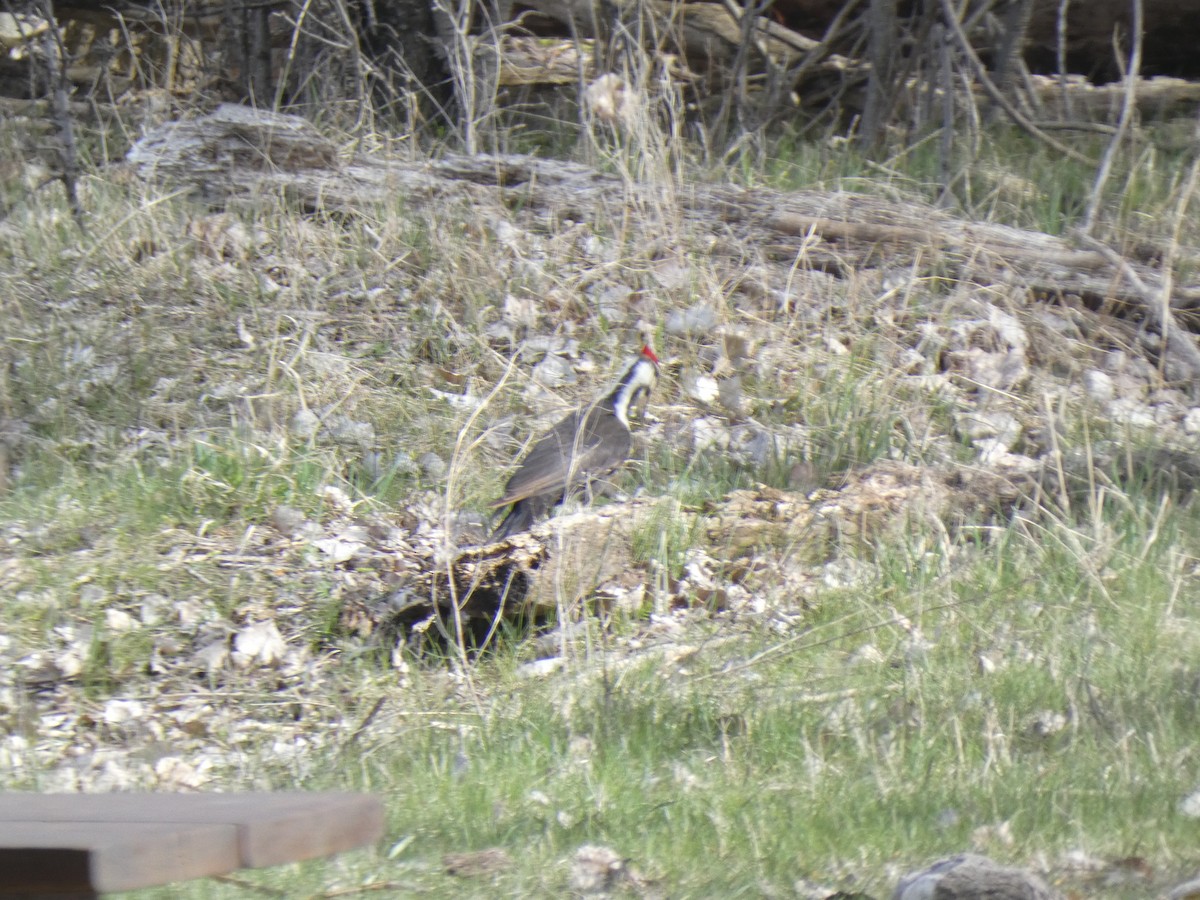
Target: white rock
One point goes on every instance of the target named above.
(1008, 328)
(509, 234)
(672, 275)
(1118, 362)
(1046, 723)
(16, 29)
(1189, 890)
(338, 548)
(910, 362)
(554, 371)
(556, 344)
(1017, 464)
(1190, 805)
(596, 870)
(432, 466)
(175, 772)
(70, 662)
(992, 451)
(258, 644)
(708, 432)
(1099, 385)
(118, 620)
(730, 392)
(500, 332)
(122, 712)
(867, 654)
(468, 401)
(611, 100)
(154, 609)
(212, 656)
(698, 320)
(91, 594)
(521, 311)
(539, 668)
(699, 387)
(305, 423)
(337, 498)
(613, 301)
(1132, 413)
(348, 432)
(752, 446)
(1001, 427)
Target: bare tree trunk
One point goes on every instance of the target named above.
(401, 38)
(882, 50)
(250, 22)
(68, 157)
(1014, 24)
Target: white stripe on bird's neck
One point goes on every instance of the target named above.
(641, 377)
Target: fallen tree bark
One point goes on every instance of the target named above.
(236, 153)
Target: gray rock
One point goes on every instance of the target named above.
(372, 464)
(730, 393)
(755, 447)
(190, 148)
(1131, 412)
(1099, 385)
(1191, 420)
(305, 423)
(1118, 362)
(1189, 890)
(596, 870)
(554, 371)
(613, 301)
(403, 464)
(697, 320)
(432, 466)
(999, 426)
(350, 433)
(287, 520)
(972, 877)
(999, 371)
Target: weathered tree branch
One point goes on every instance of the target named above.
(239, 153)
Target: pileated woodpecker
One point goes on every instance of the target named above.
(586, 445)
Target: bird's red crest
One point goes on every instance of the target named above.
(649, 354)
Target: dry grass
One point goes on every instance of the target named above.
(908, 685)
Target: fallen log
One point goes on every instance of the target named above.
(235, 154)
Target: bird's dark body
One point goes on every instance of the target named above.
(585, 446)
(564, 461)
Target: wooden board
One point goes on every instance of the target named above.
(62, 843)
(45, 857)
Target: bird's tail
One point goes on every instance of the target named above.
(520, 518)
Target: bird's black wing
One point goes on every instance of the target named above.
(566, 450)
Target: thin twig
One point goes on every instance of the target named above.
(1127, 100)
(1060, 47)
(825, 45)
(1176, 341)
(366, 721)
(451, 478)
(1171, 253)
